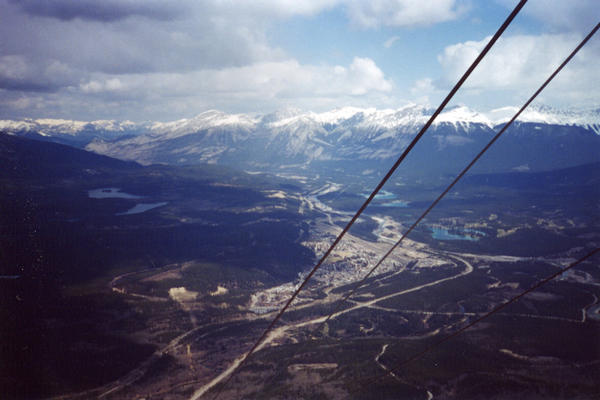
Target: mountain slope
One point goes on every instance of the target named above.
(352, 139)
(32, 159)
(73, 222)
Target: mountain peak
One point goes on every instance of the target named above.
(405, 118)
(284, 113)
(462, 114)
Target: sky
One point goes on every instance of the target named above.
(160, 60)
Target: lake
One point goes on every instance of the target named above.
(385, 195)
(464, 234)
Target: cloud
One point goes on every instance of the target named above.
(104, 11)
(19, 74)
(264, 85)
(277, 79)
(562, 16)
(284, 8)
(519, 64)
(108, 85)
(376, 13)
(205, 36)
(422, 86)
(424, 91)
(110, 58)
(513, 62)
(390, 42)
(150, 57)
(365, 76)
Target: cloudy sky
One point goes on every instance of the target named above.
(165, 60)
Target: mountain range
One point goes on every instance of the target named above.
(93, 250)
(352, 139)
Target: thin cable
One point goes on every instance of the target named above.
(492, 41)
(464, 171)
(369, 381)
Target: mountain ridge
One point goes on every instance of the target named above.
(384, 118)
(357, 139)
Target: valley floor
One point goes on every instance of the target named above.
(418, 296)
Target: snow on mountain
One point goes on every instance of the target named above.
(50, 126)
(364, 117)
(11, 126)
(462, 116)
(404, 119)
(342, 114)
(279, 115)
(291, 136)
(206, 120)
(587, 119)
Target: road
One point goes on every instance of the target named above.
(282, 331)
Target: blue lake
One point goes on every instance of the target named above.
(385, 195)
(445, 234)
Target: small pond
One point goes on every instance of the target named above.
(456, 234)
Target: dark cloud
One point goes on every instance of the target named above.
(65, 57)
(100, 10)
(27, 86)
(201, 37)
(18, 73)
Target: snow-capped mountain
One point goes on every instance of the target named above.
(207, 120)
(348, 138)
(76, 133)
(50, 127)
(587, 119)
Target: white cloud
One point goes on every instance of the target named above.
(375, 13)
(209, 34)
(263, 79)
(390, 42)
(572, 15)
(422, 87)
(108, 85)
(365, 76)
(282, 8)
(97, 58)
(424, 91)
(519, 64)
(263, 84)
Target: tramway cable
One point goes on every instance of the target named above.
(368, 381)
(451, 94)
(459, 176)
(532, 288)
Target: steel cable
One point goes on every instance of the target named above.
(451, 94)
(463, 172)
(368, 381)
